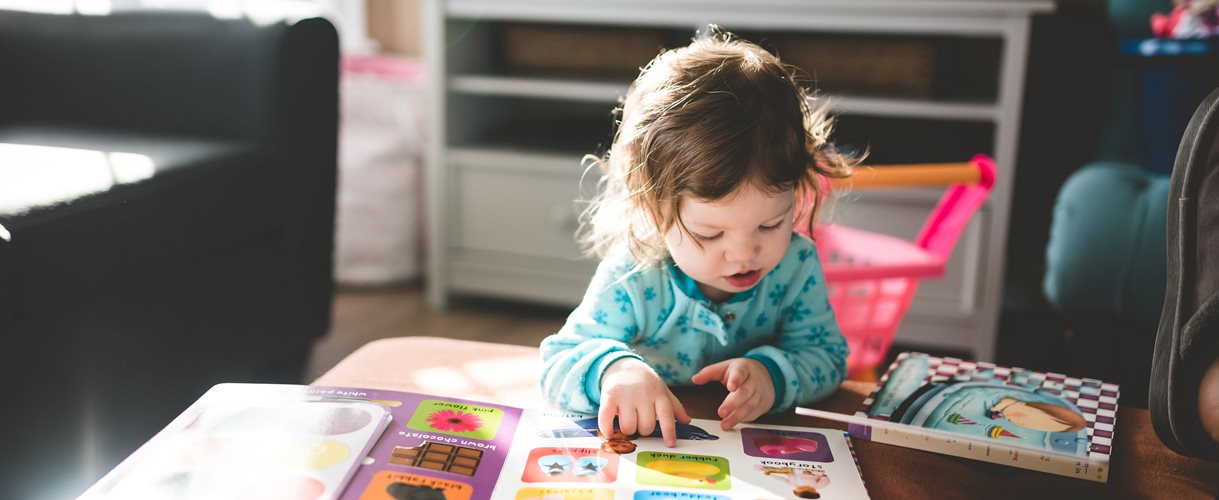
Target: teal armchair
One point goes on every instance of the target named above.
(1105, 259)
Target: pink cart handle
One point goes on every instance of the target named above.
(954, 210)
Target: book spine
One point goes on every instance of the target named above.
(986, 451)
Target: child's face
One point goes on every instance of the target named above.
(743, 237)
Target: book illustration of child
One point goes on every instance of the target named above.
(805, 483)
(717, 162)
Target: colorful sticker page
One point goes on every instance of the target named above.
(247, 441)
(559, 456)
(435, 447)
(252, 441)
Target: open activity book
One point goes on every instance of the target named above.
(282, 441)
(1041, 421)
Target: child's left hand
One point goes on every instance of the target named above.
(752, 393)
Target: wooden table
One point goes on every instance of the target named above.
(1142, 467)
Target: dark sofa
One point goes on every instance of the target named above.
(167, 186)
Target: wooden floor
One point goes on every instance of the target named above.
(362, 315)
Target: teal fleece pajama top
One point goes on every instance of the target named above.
(658, 315)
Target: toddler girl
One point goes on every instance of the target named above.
(717, 159)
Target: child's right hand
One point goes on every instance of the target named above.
(634, 392)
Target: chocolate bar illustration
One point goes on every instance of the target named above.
(438, 457)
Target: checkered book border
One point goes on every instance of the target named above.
(855, 457)
(1096, 400)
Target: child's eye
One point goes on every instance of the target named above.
(772, 226)
(714, 237)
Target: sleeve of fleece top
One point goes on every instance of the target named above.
(598, 332)
(809, 353)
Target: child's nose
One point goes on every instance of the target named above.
(743, 250)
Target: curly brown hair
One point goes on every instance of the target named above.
(700, 121)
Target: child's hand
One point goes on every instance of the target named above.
(634, 392)
(752, 393)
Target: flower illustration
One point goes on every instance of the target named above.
(454, 421)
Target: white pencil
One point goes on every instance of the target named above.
(949, 436)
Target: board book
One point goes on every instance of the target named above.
(1041, 421)
(302, 442)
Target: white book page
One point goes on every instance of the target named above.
(554, 456)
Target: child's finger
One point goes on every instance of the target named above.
(605, 417)
(742, 392)
(735, 400)
(726, 422)
(737, 408)
(726, 408)
(740, 414)
(710, 372)
(737, 374)
(668, 427)
(627, 420)
(647, 419)
(679, 410)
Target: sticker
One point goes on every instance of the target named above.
(438, 457)
(391, 485)
(682, 470)
(786, 445)
(456, 419)
(584, 465)
(618, 444)
(806, 482)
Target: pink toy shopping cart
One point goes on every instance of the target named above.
(872, 277)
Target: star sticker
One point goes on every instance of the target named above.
(554, 468)
(591, 467)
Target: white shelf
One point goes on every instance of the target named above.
(527, 253)
(956, 17)
(516, 160)
(506, 159)
(875, 7)
(916, 108)
(608, 92)
(541, 88)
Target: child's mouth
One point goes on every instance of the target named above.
(745, 279)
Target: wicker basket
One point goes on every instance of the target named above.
(863, 65)
(584, 52)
